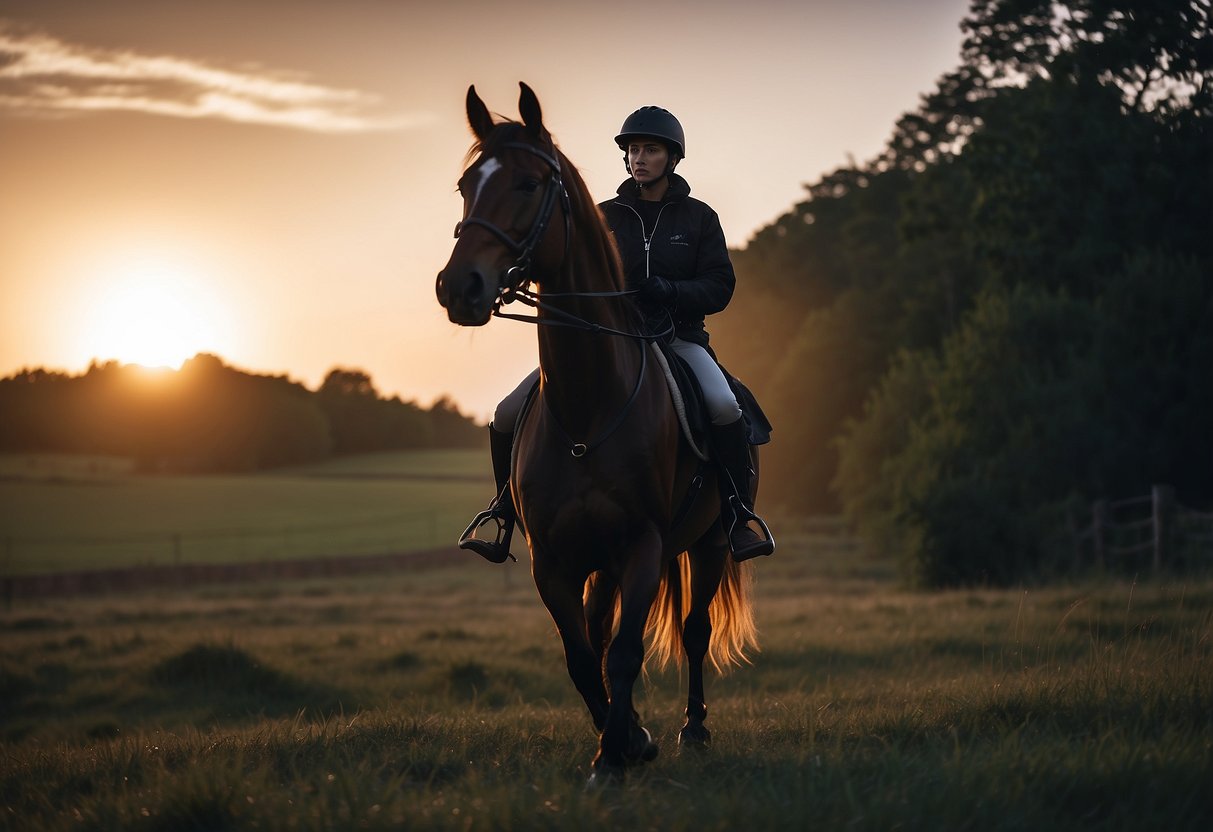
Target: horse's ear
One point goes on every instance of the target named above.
(528, 107)
(478, 115)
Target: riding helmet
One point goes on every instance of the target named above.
(656, 122)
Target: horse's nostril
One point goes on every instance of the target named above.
(474, 287)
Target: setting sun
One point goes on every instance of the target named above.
(152, 312)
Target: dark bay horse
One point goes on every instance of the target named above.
(601, 473)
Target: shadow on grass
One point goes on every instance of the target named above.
(468, 679)
(230, 682)
(35, 623)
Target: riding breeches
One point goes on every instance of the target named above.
(722, 405)
(718, 396)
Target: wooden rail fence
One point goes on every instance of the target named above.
(1153, 528)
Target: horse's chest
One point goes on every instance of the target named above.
(578, 510)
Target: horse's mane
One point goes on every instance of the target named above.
(588, 221)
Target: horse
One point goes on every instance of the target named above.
(621, 540)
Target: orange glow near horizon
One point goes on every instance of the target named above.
(152, 310)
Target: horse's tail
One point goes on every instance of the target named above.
(733, 629)
(669, 611)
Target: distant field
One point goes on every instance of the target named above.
(63, 466)
(439, 699)
(472, 464)
(67, 513)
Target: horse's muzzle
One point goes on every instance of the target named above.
(466, 296)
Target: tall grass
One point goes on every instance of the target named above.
(439, 699)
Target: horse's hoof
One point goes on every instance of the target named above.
(643, 748)
(604, 777)
(650, 748)
(695, 737)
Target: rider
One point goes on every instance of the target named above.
(674, 254)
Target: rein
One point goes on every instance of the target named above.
(566, 319)
(580, 449)
(535, 300)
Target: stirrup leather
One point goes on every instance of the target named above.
(743, 514)
(500, 512)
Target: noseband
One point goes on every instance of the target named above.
(516, 275)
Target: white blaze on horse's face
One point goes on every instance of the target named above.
(483, 174)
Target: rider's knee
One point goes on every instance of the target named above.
(506, 415)
(723, 410)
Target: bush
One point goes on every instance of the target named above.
(961, 463)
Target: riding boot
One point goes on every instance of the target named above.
(500, 510)
(736, 507)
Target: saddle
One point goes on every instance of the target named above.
(689, 403)
(692, 411)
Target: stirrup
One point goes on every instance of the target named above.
(764, 545)
(498, 549)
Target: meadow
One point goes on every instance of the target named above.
(437, 699)
(60, 513)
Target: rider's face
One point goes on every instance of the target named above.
(647, 159)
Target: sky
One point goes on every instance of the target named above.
(274, 182)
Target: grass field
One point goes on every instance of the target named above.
(438, 699)
(68, 513)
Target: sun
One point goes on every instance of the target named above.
(152, 311)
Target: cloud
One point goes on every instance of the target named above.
(43, 76)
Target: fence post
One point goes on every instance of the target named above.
(1163, 500)
(1099, 529)
(1075, 537)
(6, 576)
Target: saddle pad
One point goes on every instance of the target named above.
(758, 427)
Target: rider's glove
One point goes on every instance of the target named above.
(659, 290)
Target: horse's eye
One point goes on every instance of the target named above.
(529, 185)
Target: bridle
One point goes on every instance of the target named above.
(516, 275)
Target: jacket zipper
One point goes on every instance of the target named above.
(648, 238)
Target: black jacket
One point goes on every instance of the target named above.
(685, 246)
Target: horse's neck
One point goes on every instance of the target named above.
(588, 375)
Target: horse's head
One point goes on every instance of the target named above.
(511, 192)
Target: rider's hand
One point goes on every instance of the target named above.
(659, 290)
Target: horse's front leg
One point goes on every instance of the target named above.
(623, 740)
(561, 594)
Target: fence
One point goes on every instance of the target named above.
(1154, 527)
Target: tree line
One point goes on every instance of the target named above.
(1009, 312)
(210, 417)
